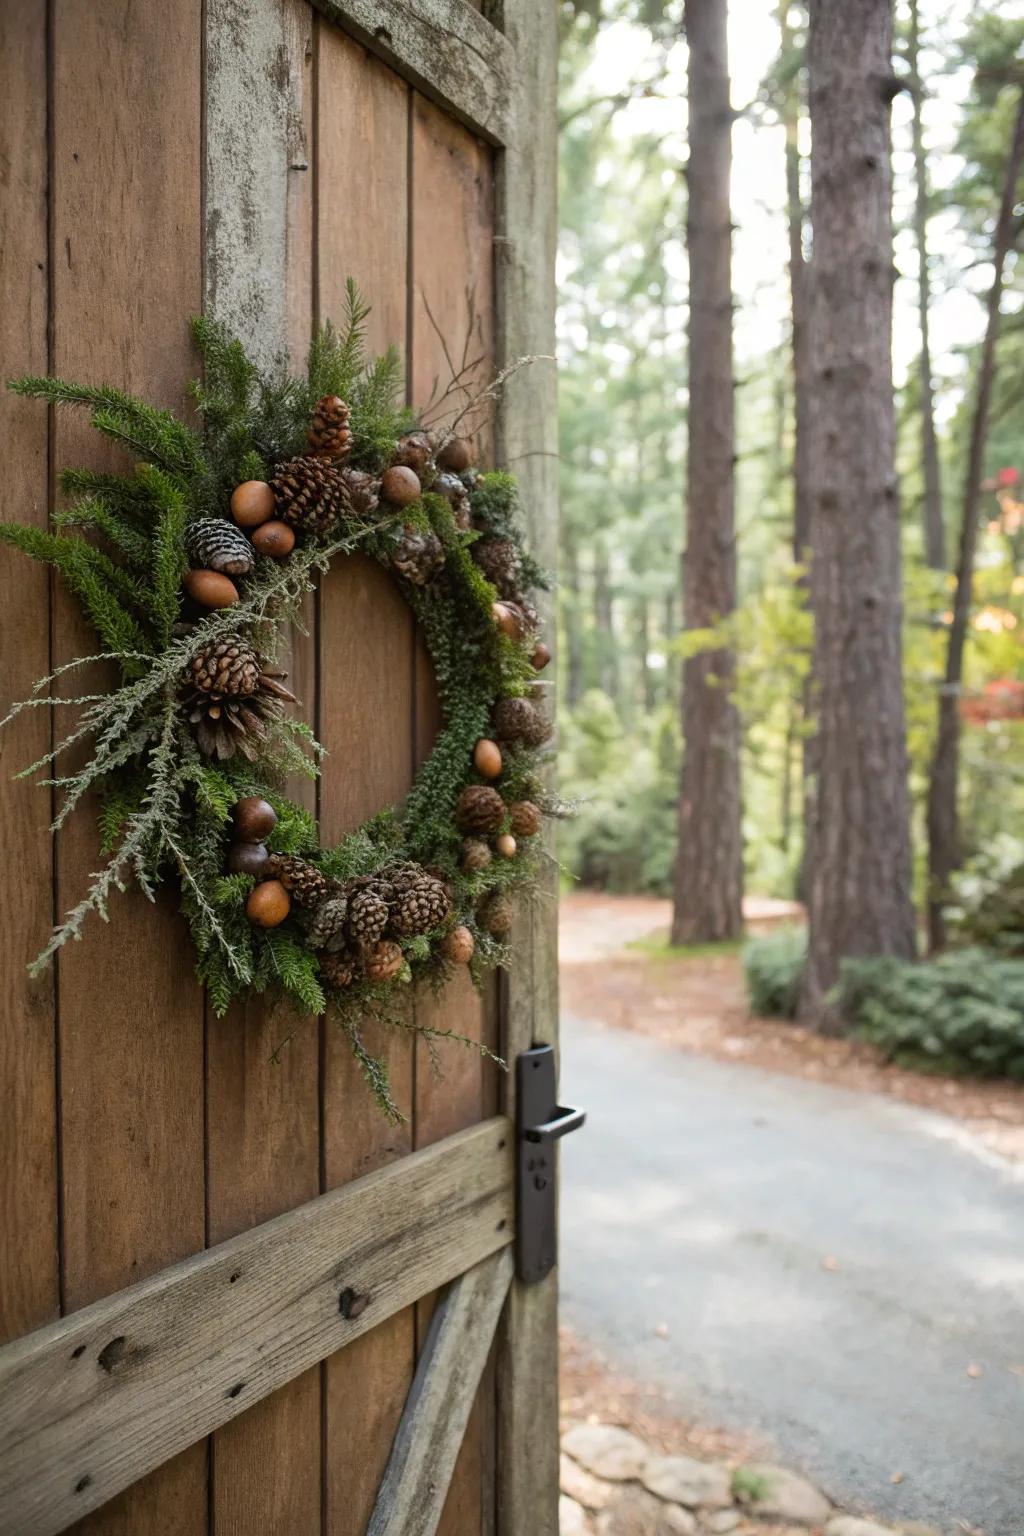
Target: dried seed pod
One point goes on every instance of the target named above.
(268, 904)
(383, 962)
(210, 589)
(524, 818)
(487, 758)
(480, 810)
(458, 946)
(541, 656)
(505, 845)
(476, 855)
(456, 455)
(252, 503)
(254, 818)
(400, 486)
(414, 451)
(274, 538)
(496, 915)
(247, 859)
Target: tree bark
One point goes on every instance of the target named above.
(709, 862)
(933, 525)
(859, 886)
(944, 851)
(799, 291)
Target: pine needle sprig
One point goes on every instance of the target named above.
(153, 434)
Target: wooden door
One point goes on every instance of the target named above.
(244, 159)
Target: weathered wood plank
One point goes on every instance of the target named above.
(450, 1366)
(96, 1400)
(445, 48)
(28, 1159)
(127, 273)
(527, 443)
(263, 1136)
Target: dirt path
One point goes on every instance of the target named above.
(698, 1003)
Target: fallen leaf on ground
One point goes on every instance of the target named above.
(661, 1332)
(830, 1262)
(897, 1477)
(974, 1369)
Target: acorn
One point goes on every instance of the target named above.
(508, 620)
(458, 946)
(400, 485)
(268, 904)
(455, 455)
(274, 538)
(384, 961)
(505, 845)
(414, 451)
(252, 503)
(247, 859)
(487, 758)
(541, 656)
(210, 589)
(254, 818)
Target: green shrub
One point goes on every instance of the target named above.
(988, 906)
(962, 1013)
(773, 966)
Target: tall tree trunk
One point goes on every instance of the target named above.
(943, 820)
(709, 863)
(934, 529)
(799, 292)
(859, 886)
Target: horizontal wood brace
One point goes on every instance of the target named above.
(91, 1403)
(446, 49)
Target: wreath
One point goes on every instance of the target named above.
(189, 568)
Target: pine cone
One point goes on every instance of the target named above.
(456, 495)
(226, 666)
(311, 495)
(498, 559)
(496, 914)
(419, 557)
(521, 720)
(303, 880)
(214, 544)
(419, 905)
(329, 436)
(415, 451)
(337, 969)
(363, 490)
(224, 725)
(383, 962)
(475, 855)
(524, 818)
(326, 926)
(368, 913)
(480, 810)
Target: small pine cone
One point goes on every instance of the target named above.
(422, 905)
(214, 544)
(524, 818)
(521, 720)
(329, 436)
(383, 961)
(496, 914)
(480, 810)
(456, 495)
(326, 926)
(303, 880)
(337, 969)
(498, 559)
(311, 495)
(368, 914)
(415, 451)
(475, 855)
(419, 557)
(363, 490)
(226, 666)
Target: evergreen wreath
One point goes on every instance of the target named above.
(195, 562)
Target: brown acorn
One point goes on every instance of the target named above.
(400, 486)
(524, 818)
(252, 503)
(456, 455)
(274, 538)
(414, 451)
(505, 845)
(487, 758)
(458, 946)
(383, 962)
(509, 619)
(247, 859)
(210, 589)
(268, 905)
(541, 656)
(254, 818)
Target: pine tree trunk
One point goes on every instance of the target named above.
(934, 528)
(944, 850)
(859, 886)
(709, 868)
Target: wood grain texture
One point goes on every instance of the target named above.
(527, 442)
(365, 645)
(443, 47)
(28, 1161)
(101, 1397)
(450, 1366)
(263, 1134)
(126, 198)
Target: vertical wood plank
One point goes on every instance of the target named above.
(452, 334)
(127, 271)
(29, 1293)
(263, 1137)
(365, 711)
(527, 444)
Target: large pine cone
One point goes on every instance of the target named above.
(329, 436)
(524, 818)
(498, 559)
(521, 720)
(326, 926)
(311, 495)
(226, 724)
(214, 544)
(480, 810)
(368, 913)
(419, 557)
(307, 885)
(337, 969)
(421, 903)
(227, 666)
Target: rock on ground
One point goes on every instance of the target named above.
(781, 1494)
(849, 1525)
(607, 1451)
(572, 1520)
(684, 1480)
(635, 1512)
(592, 1492)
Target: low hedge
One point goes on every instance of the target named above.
(773, 966)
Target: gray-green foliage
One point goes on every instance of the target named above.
(773, 965)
